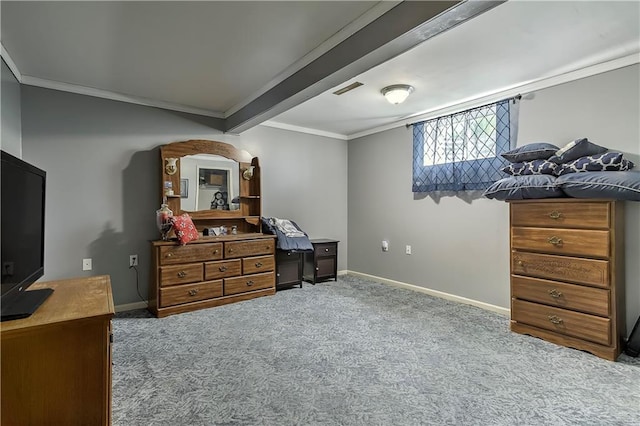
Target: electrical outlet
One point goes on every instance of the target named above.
(133, 260)
(407, 250)
(86, 264)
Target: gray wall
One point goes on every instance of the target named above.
(11, 136)
(103, 168)
(461, 246)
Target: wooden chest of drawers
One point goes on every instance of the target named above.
(210, 272)
(567, 273)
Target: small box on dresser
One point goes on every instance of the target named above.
(567, 272)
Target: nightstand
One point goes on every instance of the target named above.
(322, 262)
(288, 268)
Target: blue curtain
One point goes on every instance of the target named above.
(463, 149)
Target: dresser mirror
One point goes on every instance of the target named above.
(214, 182)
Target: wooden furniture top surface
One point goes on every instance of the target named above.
(218, 239)
(323, 240)
(562, 200)
(72, 299)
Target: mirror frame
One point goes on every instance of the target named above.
(249, 189)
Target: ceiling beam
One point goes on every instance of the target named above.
(401, 28)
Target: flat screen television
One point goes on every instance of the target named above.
(22, 210)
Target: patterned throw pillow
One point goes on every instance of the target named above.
(576, 149)
(531, 151)
(184, 228)
(535, 167)
(608, 161)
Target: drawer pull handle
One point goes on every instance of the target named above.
(249, 283)
(215, 251)
(168, 255)
(182, 274)
(555, 241)
(193, 292)
(222, 268)
(327, 250)
(555, 293)
(555, 215)
(555, 320)
(258, 264)
(520, 263)
(230, 250)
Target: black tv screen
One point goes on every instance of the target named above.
(22, 208)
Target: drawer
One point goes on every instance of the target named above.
(575, 324)
(180, 274)
(235, 249)
(581, 242)
(328, 249)
(248, 283)
(257, 264)
(180, 294)
(288, 256)
(170, 255)
(562, 295)
(222, 269)
(561, 268)
(563, 215)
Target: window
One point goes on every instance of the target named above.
(461, 152)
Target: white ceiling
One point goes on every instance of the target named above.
(217, 57)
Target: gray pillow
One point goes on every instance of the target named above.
(612, 185)
(576, 149)
(524, 187)
(531, 151)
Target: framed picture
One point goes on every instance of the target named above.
(184, 188)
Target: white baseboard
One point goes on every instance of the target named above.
(436, 293)
(131, 306)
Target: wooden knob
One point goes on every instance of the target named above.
(169, 255)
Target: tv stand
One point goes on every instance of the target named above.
(24, 304)
(56, 364)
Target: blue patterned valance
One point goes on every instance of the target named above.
(461, 151)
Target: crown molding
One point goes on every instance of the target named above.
(12, 65)
(519, 89)
(105, 94)
(305, 130)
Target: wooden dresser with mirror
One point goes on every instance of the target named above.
(219, 187)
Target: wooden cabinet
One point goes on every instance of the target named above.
(211, 271)
(322, 262)
(567, 273)
(56, 364)
(289, 268)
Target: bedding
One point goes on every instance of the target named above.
(623, 185)
(290, 236)
(576, 149)
(530, 151)
(524, 187)
(534, 167)
(607, 161)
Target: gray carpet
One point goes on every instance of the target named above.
(355, 352)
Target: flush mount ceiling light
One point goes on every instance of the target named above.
(397, 93)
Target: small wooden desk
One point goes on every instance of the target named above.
(56, 364)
